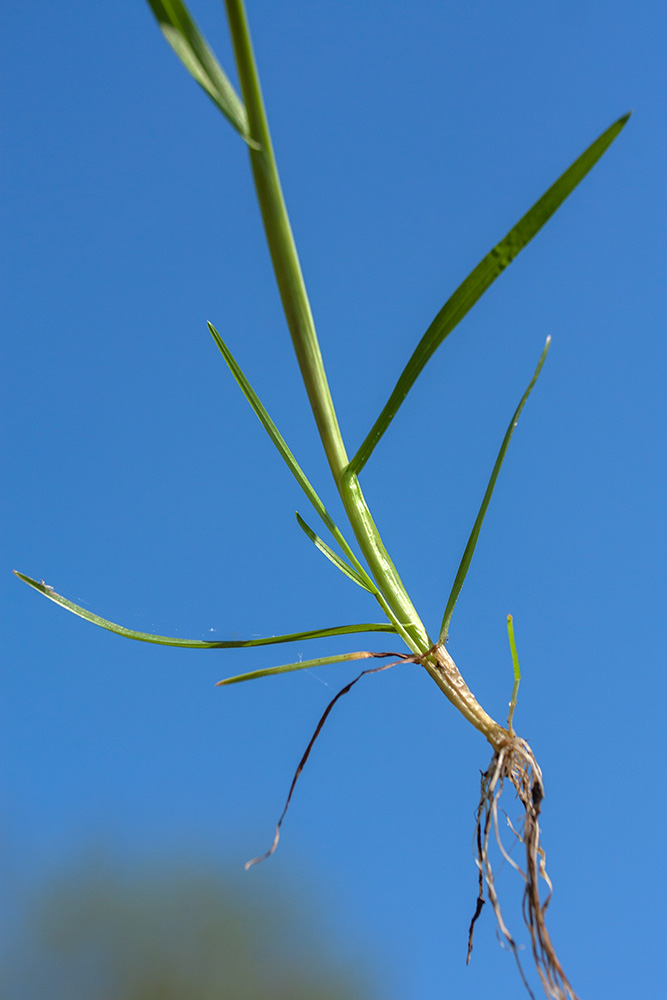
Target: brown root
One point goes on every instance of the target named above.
(401, 658)
(514, 761)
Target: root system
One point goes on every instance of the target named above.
(514, 761)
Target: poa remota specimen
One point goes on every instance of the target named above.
(512, 759)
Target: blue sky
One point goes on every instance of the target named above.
(410, 138)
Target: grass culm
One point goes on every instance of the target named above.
(369, 565)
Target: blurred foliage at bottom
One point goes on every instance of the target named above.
(170, 935)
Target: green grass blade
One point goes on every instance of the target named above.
(330, 554)
(298, 315)
(191, 47)
(165, 640)
(299, 665)
(474, 534)
(477, 282)
(303, 482)
(517, 672)
(288, 457)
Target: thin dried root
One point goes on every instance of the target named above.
(514, 761)
(401, 658)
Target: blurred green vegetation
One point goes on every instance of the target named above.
(98, 934)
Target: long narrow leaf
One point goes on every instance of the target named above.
(287, 668)
(477, 527)
(288, 457)
(327, 551)
(192, 49)
(477, 282)
(164, 640)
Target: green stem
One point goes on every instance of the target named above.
(383, 569)
(392, 596)
(304, 338)
(282, 248)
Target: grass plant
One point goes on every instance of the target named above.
(512, 759)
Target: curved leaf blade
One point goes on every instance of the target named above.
(329, 553)
(468, 553)
(288, 457)
(185, 38)
(477, 282)
(299, 665)
(165, 640)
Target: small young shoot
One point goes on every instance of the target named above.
(517, 674)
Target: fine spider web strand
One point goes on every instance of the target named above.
(499, 841)
(316, 677)
(401, 658)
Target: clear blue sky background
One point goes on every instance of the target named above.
(137, 481)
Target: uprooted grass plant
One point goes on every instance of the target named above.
(513, 760)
